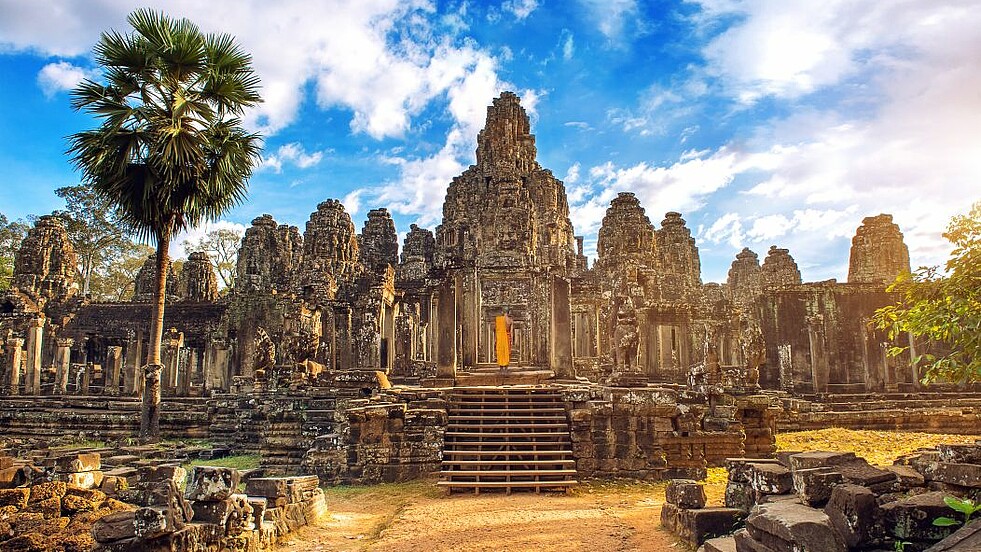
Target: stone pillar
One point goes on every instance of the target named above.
(173, 342)
(819, 354)
(133, 378)
(221, 367)
(87, 370)
(63, 365)
(469, 298)
(446, 331)
(35, 334)
(14, 357)
(113, 369)
(187, 369)
(785, 365)
(344, 343)
(561, 345)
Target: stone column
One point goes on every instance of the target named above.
(186, 372)
(63, 365)
(344, 342)
(35, 334)
(131, 370)
(819, 354)
(113, 369)
(446, 331)
(14, 356)
(221, 367)
(561, 346)
(87, 370)
(468, 293)
(174, 341)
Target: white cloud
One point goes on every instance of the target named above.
(61, 76)
(291, 154)
(352, 202)
(568, 44)
(520, 8)
(380, 59)
(611, 16)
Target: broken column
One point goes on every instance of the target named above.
(63, 364)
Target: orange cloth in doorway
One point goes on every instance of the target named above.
(502, 332)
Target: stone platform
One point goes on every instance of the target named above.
(492, 375)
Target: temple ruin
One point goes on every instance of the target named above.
(340, 355)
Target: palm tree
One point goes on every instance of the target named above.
(170, 151)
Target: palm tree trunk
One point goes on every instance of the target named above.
(150, 408)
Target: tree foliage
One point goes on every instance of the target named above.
(94, 230)
(221, 245)
(11, 234)
(943, 308)
(170, 151)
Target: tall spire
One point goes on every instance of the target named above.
(506, 141)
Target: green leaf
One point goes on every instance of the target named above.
(945, 522)
(965, 506)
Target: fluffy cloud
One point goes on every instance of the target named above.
(520, 8)
(611, 16)
(61, 76)
(290, 154)
(195, 234)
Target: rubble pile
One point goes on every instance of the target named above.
(833, 501)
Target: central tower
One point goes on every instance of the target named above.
(505, 242)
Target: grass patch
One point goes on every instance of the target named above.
(239, 462)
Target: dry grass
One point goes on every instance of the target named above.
(880, 448)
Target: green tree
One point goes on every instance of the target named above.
(170, 151)
(116, 280)
(11, 234)
(93, 227)
(221, 245)
(942, 308)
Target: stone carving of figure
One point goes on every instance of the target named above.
(265, 353)
(625, 336)
(754, 353)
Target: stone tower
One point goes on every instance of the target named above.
(418, 252)
(626, 234)
(878, 252)
(330, 243)
(268, 257)
(146, 281)
(378, 241)
(505, 242)
(198, 283)
(677, 260)
(779, 269)
(745, 277)
(45, 266)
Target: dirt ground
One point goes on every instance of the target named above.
(418, 517)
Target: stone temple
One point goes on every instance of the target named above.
(340, 354)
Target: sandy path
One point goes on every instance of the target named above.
(416, 517)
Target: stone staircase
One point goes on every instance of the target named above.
(507, 438)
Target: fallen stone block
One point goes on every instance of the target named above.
(114, 527)
(78, 462)
(719, 544)
(669, 518)
(746, 543)
(770, 479)
(696, 526)
(685, 493)
(154, 521)
(787, 526)
(49, 508)
(907, 477)
(44, 491)
(739, 468)
(960, 453)
(14, 497)
(14, 476)
(912, 518)
(212, 483)
(86, 479)
(269, 487)
(964, 475)
(852, 512)
(814, 485)
(860, 472)
(820, 459)
(740, 495)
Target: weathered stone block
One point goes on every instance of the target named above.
(154, 521)
(814, 485)
(79, 462)
(960, 453)
(268, 487)
(779, 524)
(739, 468)
(740, 495)
(15, 497)
(907, 477)
(965, 539)
(862, 473)
(695, 526)
(819, 459)
(912, 518)
(114, 527)
(770, 479)
(719, 544)
(49, 508)
(669, 518)
(964, 475)
(852, 511)
(44, 491)
(746, 543)
(685, 493)
(85, 479)
(212, 483)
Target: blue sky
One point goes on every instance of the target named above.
(764, 122)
